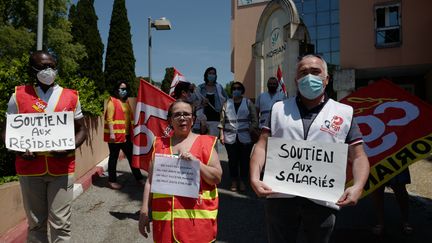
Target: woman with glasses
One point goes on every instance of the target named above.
(118, 133)
(177, 218)
(238, 118)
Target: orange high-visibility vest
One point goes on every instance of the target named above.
(28, 102)
(183, 219)
(119, 123)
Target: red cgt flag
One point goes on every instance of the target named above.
(395, 126)
(178, 77)
(150, 121)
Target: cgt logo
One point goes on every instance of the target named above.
(274, 37)
(333, 126)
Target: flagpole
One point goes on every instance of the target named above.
(207, 102)
(40, 25)
(149, 48)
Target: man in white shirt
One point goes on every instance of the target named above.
(288, 216)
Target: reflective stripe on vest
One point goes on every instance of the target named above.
(45, 163)
(185, 214)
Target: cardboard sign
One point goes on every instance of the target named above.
(307, 169)
(175, 176)
(39, 132)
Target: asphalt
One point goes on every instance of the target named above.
(101, 214)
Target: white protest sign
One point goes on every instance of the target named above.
(175, 176)
(39, 132)
(307, 169)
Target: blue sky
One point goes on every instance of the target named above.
(199, 38)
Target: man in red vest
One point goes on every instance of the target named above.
(46, 178)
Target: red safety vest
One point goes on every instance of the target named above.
(28, 102)
(119, 123)
(183, 219)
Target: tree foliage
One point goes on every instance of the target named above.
(166, 82)
(19, 21)
(120, 60)
(85, 31)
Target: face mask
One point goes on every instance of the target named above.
(310, 86)
(237, 93)
(47, 76)
(122, 93)
(211, 77)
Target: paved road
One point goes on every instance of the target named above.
(104, 215)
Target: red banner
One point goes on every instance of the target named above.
(150, 122)
(395, 126)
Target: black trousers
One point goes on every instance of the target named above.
(114, 149)
(238, 159)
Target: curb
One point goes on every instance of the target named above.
(85, 181)
(18, 233)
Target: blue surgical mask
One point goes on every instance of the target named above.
(122, 93)
(310, 86)
(211, 77)
(237, 93)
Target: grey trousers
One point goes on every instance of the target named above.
(298, 220)
(47, 200)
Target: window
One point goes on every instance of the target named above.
(387, 25)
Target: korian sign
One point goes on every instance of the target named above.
(277, 46)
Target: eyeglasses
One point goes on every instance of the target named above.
(185, 115)
(122, 88)
(237, 88)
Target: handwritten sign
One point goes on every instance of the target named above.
(39, 132)
(175, 176)
(307, 169)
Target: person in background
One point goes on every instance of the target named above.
(186, 91)
(46, 178)
(118, 133)
(266, 100)
(300, 118)
(398, 185)
(177, 218)
(183, 90)
(212, 96)
(237, 119)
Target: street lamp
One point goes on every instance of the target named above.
(158, 24)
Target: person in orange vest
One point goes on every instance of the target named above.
(46, 178)
(118, 133)
(176, 218)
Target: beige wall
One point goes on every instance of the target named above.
(94, 149)
(357, 35)
(87, 157)
(243, 33)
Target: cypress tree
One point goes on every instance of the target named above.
(166, 82)
(85, 31)
(120, 60)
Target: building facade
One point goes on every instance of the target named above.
(364, 40)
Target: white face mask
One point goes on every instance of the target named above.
(47, 76)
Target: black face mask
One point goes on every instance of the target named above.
(272, 89)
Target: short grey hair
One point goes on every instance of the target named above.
(314, 56)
